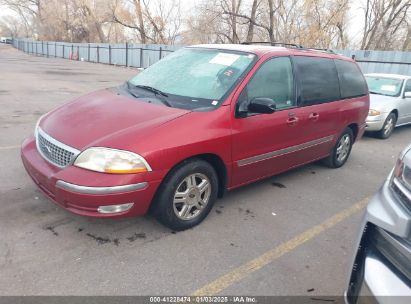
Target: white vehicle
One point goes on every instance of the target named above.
(7, 40)
(390, 103)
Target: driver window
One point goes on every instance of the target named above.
(407, 86)
(274, 80)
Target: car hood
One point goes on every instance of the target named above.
(382, 103)
(95, 119)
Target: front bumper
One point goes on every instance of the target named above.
(83, 192)
(381, 271)
(361, 131)
(375, 123)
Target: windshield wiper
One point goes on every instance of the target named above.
(134, 95)
(372, 92)
(377, 93)
(154, 90)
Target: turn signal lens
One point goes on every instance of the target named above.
(119, 171)
(115, 208)
(399, 167)
(373, 112)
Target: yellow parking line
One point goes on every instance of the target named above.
(9, 148)
(244, 270)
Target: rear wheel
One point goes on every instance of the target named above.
(388, 126)
(341, 151)
(187, 195)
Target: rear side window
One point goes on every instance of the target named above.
(352, 82)
(318, 80)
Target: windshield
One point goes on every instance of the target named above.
(384, 86)
(195, 78)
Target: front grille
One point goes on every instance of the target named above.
(401, 193)
(52, 150)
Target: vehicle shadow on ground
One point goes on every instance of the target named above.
(41, 214)
(397, 132)
(141, 230)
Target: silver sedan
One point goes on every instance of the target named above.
(390, 103)
(381, 268)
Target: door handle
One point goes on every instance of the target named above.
(292, 121)
(314, 116)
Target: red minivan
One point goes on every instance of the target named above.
(201, 121)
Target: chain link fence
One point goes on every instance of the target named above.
(144, 55)
(123, 54)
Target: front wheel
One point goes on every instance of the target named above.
(388, 126)
(187, 195)
(341, 151)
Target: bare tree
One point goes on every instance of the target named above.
(205, 25)
(314, 23)
(323, 23)
(251, 23)
(157, 22)
(384, 22)
(11, 26)
(29, 12)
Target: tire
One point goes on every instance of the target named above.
(388, 127)
(186, 196)
(341, 151)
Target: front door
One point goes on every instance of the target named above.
(404, 108)
(266, 144)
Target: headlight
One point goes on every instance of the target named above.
(111, 161)
(373, 112)
(38, 122)
(403, 174)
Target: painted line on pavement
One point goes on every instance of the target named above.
(268, 257)
(9, 148)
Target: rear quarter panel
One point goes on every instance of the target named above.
(354, 111)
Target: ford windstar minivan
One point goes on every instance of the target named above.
(201, 121)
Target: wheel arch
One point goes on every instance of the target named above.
(395, 111)
(215, 161)
(220, 168)
(354, 128)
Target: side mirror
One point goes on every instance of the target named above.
(262, 105)
(407, 95)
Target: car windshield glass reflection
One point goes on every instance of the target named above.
(195, 78)
(384, 86)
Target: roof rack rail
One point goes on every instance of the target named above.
(322, 50)
(297, 46)
(285, 44)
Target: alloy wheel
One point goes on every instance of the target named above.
(389, 126)
(343, 148)
(192, 196)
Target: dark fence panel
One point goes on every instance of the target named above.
(123, 54)
(144, 55)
